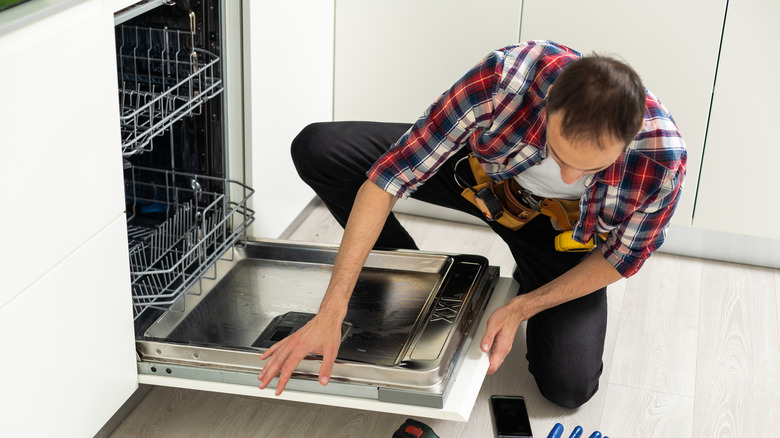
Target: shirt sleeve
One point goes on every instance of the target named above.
(463, 110)
(630, 243)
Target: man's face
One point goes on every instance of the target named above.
(579, 157)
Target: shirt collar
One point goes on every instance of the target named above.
(612, 175)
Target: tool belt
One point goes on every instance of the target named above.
(518, 207)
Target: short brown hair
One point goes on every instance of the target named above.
(598, 96)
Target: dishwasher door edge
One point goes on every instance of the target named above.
(463, 393)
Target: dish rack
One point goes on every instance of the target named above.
(163, 77)
(179, 225)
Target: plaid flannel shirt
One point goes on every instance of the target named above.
(497, 110)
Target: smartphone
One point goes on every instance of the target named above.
(510, 416)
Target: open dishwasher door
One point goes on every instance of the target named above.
(407, 338)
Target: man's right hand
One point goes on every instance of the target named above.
(321, 335)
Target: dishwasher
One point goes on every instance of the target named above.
(208, 299)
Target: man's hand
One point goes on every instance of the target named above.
(500, 333)
(591, 274)
(321, 335)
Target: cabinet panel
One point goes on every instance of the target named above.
(289, 62)
(68, 354)
(61, 172)
(393, 59)
(673, 46)
(740, 165)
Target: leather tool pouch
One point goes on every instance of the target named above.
(513, 218)
(516, 213)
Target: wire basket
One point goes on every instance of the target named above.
(163, 77)
(179, 225)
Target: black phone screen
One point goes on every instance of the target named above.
(511, 417)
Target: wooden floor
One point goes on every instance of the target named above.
(692, 350)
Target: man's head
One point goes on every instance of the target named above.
(594, 110)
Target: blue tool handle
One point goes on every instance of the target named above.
(596, 434)
(576, 433)
(556, 431)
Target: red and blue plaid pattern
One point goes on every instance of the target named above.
(497, 111)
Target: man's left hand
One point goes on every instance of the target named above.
(500, 333)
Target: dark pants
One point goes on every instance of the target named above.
(565, 343)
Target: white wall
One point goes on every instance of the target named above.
(290, 71)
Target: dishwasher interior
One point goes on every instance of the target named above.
(206, 299)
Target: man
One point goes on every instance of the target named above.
(595, 143)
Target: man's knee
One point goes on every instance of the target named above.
(307, 148)
(567, 387)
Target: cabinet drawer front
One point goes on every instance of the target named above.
(69, 356)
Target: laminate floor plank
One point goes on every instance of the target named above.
(656, 346)
(635, 413)
(738, 373)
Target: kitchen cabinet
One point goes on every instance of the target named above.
(738, 183)
(68, 355)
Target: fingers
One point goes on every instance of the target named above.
(499, 351)
(270, 351)
(490, 334)
(283, 357)
(284, 377)
(284, 363)
(327, 365)
(499, 337)
(282, 360)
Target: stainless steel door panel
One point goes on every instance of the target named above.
(409, 314)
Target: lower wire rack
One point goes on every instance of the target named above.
(179, 225)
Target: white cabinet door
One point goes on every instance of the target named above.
(673, 45)
(739, 179)
(288, 59)
(68, 356)
(61, 168)
(393, 59)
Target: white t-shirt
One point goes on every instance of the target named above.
(544, 179)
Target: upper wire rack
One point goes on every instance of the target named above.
(163, 77)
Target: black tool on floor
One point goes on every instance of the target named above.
(414, 429)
